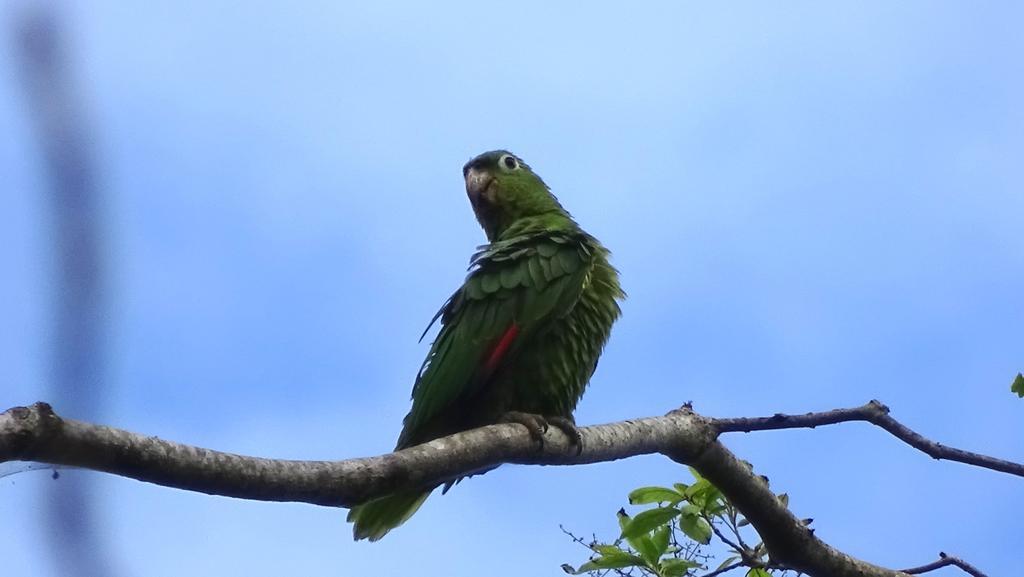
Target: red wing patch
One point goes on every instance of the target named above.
(500, 349)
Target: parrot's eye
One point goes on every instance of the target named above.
(509, 162)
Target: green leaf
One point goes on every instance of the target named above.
(696, 474)
(609, 550)
(660, 540)
(678, 567)
(623, 519)
(647, 549)
(712, 496)
(637, 542)
(697, 493)
(681, 487)
(689, 510)
(696, 528)
(647, 521)
(704, 494)
(610, 562)
(1018, 386)
(645, 495)
(728, 561)
(716, 509)
(758, 572)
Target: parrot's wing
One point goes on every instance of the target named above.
(512, 294)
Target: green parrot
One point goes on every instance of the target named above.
(521, 338)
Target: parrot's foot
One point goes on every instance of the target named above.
(537, 425)
(568, 426)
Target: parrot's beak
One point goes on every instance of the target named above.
(477, 181)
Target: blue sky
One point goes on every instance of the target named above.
(811, 204)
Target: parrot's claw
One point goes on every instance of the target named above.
(536, 425)
(568, 426)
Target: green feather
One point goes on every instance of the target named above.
(555, 264)
(374, 519)
(510, 276)
(490, 283)
(569, 259)
(547, 250)
(537, 275)
(473, 290)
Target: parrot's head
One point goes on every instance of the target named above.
(504, 191)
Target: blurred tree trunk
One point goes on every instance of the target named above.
(76, 359)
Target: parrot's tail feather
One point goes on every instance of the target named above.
(374, 519)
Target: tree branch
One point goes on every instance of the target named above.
(723, 570)
(36, 433)
(877, 414)
(945, 561)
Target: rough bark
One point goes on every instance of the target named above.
(36, 433)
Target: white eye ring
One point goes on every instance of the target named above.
(508, 162)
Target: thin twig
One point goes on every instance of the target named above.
(877, 414)
(734, 526)
(946, 561)
(741, 550)
(725, 569)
